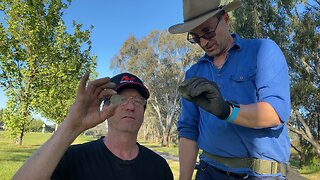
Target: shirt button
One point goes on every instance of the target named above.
(241, 77)
(219, 75)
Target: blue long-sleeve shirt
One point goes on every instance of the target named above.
(255, 70)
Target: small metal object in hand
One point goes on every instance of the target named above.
(115, 99)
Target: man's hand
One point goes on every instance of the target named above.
(85, 112)
(205, 94)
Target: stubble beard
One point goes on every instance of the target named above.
(221, 48)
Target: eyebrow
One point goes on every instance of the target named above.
(206, 29)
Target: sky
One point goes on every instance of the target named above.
(114, 21)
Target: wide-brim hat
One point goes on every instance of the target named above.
(127, 80)
(195, 12)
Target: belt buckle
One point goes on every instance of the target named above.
(274, 167)
(264, 166)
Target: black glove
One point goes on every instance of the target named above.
(205, 94)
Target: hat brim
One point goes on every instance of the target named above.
(190, 25)
(134, 85)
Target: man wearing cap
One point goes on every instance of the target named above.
(116, 156)
(235, 100)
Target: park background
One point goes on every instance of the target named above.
(45, 49)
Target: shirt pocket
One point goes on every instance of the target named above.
(244, 86)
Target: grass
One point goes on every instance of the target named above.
(172, 149)
(12, 156)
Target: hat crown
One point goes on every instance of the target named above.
(196, 12)
(125, 78)
(195, 8)
(128, 80)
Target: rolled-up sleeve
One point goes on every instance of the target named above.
(188, 121)
(272, 79)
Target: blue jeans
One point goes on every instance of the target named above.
(208, 172)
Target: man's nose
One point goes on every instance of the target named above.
(129, 105)
(203, 42)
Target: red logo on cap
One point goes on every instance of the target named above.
(126, 79)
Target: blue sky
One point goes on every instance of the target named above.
(114, 21)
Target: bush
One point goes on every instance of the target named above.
(35, 126)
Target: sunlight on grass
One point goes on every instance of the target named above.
(12, 156)
(172, 149)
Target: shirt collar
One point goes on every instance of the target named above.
(237, 42)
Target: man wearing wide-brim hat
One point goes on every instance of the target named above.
(235, 100)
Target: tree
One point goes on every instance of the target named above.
(1, 121)
(160, 59)
(35, 125)
(304, 61)
(295, 26)
(40, 63)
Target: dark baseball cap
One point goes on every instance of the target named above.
(127, 80)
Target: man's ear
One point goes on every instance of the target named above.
(226, 18)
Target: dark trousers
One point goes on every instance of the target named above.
(208, 172)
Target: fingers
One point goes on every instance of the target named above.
(106, 93)
(99, 88)
(96, 86)
(198, 87)
(184, 88)
(193, 87)
(83, 82)
(108, 111)
(187, 82)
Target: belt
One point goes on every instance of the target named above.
(204, 165)
(259, 166)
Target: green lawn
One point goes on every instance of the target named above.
(12, 156)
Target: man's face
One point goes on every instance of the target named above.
(213, 35)
(129, 114)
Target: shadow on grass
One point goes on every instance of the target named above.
(168, 156)
(313, 171)
(153, 146)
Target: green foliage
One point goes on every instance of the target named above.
(14, 119)
(40, 63)
(1, 119)
(35, 125)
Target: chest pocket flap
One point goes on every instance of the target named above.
(243, 76)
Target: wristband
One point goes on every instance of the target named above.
(233, 115)
(235, 110)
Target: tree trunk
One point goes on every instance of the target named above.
(56, 127)
(305, 133)
(165, 140)
(302, 160)
(19, 139)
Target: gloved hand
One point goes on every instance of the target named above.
(205, 94)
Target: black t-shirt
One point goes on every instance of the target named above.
(93, 160)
